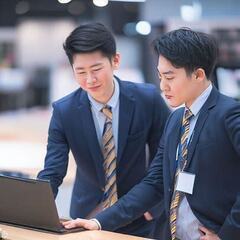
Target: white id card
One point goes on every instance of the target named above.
(185, 182)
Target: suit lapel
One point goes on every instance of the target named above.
(197, 130)
(126, 107)
(90, 134)
(211, 102)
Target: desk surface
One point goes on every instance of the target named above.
(15, 233)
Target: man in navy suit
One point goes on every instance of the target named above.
(198, 158)
(138, 118)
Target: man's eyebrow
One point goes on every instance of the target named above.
(94, 65)
(165, 73)
(168, 72)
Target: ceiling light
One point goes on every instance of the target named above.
(191, 12)
(64, 1)
(100, 3)
(143, 27)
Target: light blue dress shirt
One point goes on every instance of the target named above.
(187, 223)
(99, 118)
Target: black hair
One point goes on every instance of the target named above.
(188, 49)
(88, 38)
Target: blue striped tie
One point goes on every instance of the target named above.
(109, 164)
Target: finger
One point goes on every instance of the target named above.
(79, 222)
(71, 225)
(87, 224)
(66, 222)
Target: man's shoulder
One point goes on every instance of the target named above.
(142, 90)
(138, 86)
(227, 102)
(145, 95)
(175, 117)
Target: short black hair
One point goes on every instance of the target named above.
(188, 49)
(88, 38)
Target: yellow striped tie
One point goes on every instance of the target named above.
(182, 160)
(109, 164)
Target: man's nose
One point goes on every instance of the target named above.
(91, 78)
(164, 86)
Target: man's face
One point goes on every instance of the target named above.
(94, 73)
(177, 86)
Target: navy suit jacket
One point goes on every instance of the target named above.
(142, 117)
(213, 155)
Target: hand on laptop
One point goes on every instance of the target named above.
(79, 222)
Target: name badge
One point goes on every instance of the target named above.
(185, 182)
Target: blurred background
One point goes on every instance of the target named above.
(34, 70)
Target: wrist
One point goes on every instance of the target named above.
(97, 222)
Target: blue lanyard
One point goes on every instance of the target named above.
(179, 150)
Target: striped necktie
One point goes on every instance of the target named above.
(109, 164)
(182, 161)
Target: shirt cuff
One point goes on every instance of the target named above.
(97, 222)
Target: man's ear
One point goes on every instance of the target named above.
(200, 74)
(116, 61)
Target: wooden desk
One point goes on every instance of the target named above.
(15, 233)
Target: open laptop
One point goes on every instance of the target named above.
(29, 203)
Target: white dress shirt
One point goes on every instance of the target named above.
(99, 118)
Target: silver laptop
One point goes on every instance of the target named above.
(29, 203)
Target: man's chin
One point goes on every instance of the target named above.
(175, 105)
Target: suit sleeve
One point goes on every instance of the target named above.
(231, 226)
(138, 200)
(56, 160)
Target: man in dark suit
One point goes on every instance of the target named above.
(197, 166)
(106, 124)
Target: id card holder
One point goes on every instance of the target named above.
(185, 182)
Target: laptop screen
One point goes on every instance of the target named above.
(28, 202)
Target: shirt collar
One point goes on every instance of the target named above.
(199, 102)
(112, 102)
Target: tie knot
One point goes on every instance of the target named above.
(106, 110)
(188, 114)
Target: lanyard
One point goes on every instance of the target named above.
(179, 151)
